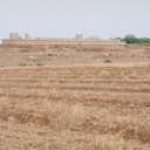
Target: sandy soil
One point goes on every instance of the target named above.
(74, 100)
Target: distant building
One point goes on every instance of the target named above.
(78, 37)
(14, 36)
(27, 36)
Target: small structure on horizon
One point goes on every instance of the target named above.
(14, 36)
(17, 36)
(27, 36)
(78, 37)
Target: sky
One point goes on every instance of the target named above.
(65, 18)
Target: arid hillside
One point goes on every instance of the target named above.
(75, 98)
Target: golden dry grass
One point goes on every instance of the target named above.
(87, 98)
(70, 108)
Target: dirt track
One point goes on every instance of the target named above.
(101, 107)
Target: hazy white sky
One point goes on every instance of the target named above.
(64, 18)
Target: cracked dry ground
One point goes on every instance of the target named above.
(75, 108)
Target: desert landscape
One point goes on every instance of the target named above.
(74, 97)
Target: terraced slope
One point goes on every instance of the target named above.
(70, 108)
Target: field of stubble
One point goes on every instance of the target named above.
(83, 107)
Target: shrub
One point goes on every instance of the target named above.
(23, 64)
(131, 39)
(108, 61)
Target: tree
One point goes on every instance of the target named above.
(130, 39)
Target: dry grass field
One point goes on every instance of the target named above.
(75, 98)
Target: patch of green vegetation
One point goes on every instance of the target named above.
(131, 39)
